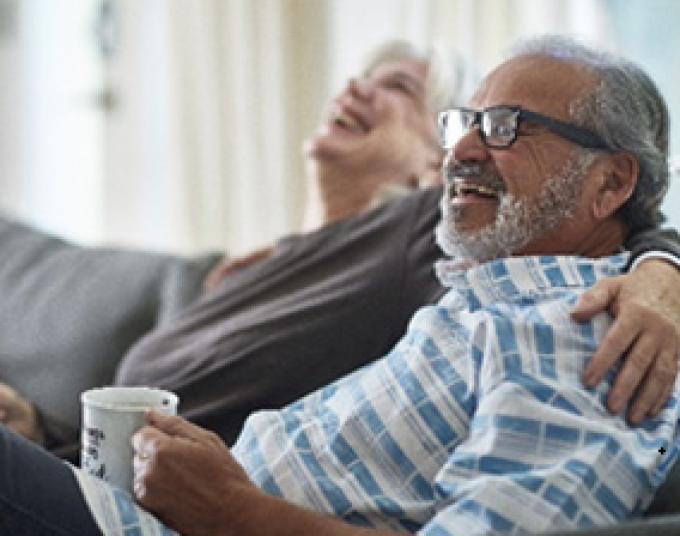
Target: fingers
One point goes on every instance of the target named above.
(18, 414)
(662, 400)
(634, 368)
(596, 299)
(647, 375)
(215, 276)
(7, 398)
(654, 391)
(175, 426)
(166, 429)
(149, 445)
(148, 441)
(621, 336)
(145, 442)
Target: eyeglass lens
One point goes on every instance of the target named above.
(498, 126)
(452, 127)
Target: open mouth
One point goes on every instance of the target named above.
(467, 189)
(349, 122)
(473, 182)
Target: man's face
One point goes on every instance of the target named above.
(380, 123)
(523, 199)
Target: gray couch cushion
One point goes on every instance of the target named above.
(667, 498)
(657, 526)
(69, 313)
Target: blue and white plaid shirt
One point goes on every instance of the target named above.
(477, 422)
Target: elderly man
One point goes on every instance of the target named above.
(478, 421)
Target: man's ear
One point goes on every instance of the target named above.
(617, 184)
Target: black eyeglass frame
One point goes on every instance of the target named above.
(579, 135)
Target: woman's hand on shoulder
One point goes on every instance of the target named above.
(644, 338)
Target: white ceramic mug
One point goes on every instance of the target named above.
(111, 416)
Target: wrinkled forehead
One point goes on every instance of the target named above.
(538, 83)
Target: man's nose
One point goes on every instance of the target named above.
(469, 148)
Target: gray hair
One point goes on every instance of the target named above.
(450, 79)
(628, 112)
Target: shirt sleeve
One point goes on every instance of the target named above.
(654, 240)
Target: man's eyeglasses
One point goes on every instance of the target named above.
(498, 126)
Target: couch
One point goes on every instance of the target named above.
(68, 313)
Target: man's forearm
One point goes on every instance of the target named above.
(264, 515)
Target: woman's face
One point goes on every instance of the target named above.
(381, 124)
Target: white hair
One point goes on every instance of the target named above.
(450, 79)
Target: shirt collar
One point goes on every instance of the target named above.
(506, 279)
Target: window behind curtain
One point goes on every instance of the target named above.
(647, 33)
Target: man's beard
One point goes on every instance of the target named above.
(518, 221)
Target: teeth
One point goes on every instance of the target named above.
(349, 122)
(461, 189)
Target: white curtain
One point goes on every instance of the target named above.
(215, 99)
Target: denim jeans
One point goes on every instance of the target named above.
(39, 495)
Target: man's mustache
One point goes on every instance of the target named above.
(482, 177)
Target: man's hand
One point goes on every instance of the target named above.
(18, 414)
(187, 477)
(645, 336)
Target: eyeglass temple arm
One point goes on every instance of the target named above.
(582, 136)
